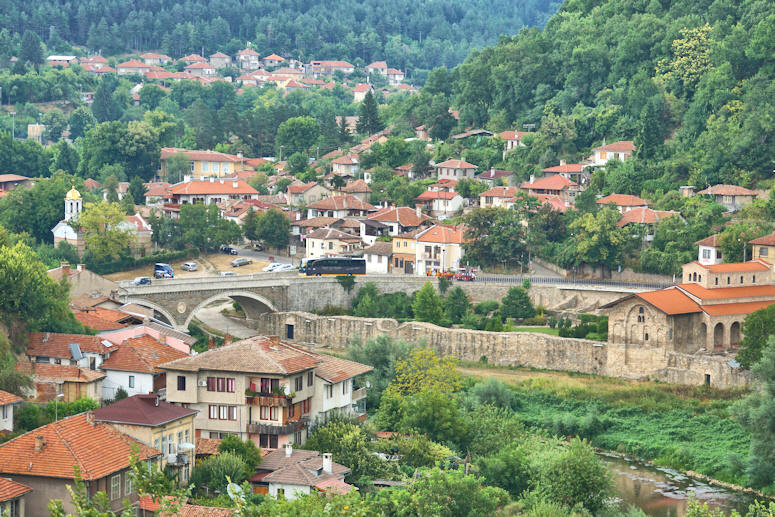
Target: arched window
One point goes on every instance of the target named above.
(728, 280)
(640, 310)
(646, 336)
(716, 280)
(741, 279)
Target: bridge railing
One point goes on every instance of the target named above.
(549, 280)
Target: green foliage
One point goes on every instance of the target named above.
(757, 329)
(486, 307)
(106, 238)
(296, 134)
(427, 305)
(346, 281)
(124, 263)
(121, 394)
(435, 414)
(456, 304)
(370, 303)
(517, 304)
(274, 228)
(493, 392)
(63, 409)
(444, 285)
(212, 472)
(509, 468)
(247, 450)
(368, 120)
(422, 369)
(381, 353)
(415, 450)
(735, 238)
(86, 504)
(496, 236)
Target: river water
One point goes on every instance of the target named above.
(662, 492)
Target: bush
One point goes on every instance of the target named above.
(486, 307)
(125, 263)
(212, 472)
(552, 322)
(516, 304)
(538, 320)
(494, 325)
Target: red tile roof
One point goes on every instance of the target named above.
(713, 241)
(132, 63)
(346, 202)
(554, 201)
(193, 510)
(151, 55)
(97, 449)
(218, 54)
(315, 222)
(442, 234)
(8, 398)
(49, 344)
(199, 66)
(754, 291)
(735, 267)
(512, 135)
(767, 240)
(332, 234)
(334, 369)
(724, 309)
(143, 410)
(728, 190)
(207, 446)
(195, 155)
(93, 320)
(347, 159)
(274, 57)
(567, 168)
(219, 186)
(620, 146)
(494, 174)
(402, 215)
(259, 354)
(456, 164)
(502, 192)
(670, 301)
(362, 87)
(644, 215)
(377, 64)
(430, 195)
(622, 200)
(141, 354)
(47, 372)
(333, 64)
(554, 182)
(11, 489)
(193, 57)
(357, 186)
(247, 52)
(300, 189)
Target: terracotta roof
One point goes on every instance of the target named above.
(295, 84)
(93, 320)
(315, 222)
(306, 473)
(141, 354)
(403, 215)
(193, 510)
(49, 344)
(156, 189)
(377, 64)
(734, 267)
(8, 398)
(728, 190)
(494, 174)
(96, 448)
(132, 63)
(644, 215)
(620, 146)
(357, 186)
(554, 182)
(277, 459)
(143, 410)
(14, 177)
(442, 234)
(394, 71)
(767, 240)
(670, 301)
(300, 189)
(512, 135)
(196, 155)
(207, 446)
(430, 195)
(351, 223)
(199, 66)
(259, 354)
(754, 291)
(569, 167)
(218, 54)
(219, 186)
(362, 87)
(334, 486)
(333, 369)
(504, 192)
(553, 201)
(622, 200)
(346, 202)
(59, 372)
(11, 489)
(723, 309)
(456, 164)
(334, 64)
(347, 159)
(712, 241)
(331, 234)
(151, 55)
(193, 57)
(274, 57)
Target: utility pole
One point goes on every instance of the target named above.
(13, 125)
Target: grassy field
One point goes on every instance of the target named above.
(682, 427)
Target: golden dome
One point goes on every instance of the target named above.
(73, 195)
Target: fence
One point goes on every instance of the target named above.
(507, 279)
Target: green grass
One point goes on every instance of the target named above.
(540, 330)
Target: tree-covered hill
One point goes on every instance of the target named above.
(407, 33)
(691, 81)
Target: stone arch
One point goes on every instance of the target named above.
(718, 335)
(702, 336)
(251, 302)
(157, 308)
(734, 333)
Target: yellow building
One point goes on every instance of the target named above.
(159, 424)
(404, 252)
(764, 248)
(203, 164)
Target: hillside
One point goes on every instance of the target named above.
(696, 74)
(408, 34)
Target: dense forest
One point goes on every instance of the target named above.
(408, 34)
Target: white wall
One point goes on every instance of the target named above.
(321, 403)
(116, 378)
(291, 491)
(376, 263)
(7, 422)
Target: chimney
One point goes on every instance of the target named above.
(327, 467)
(562, 162)
(235, 184)
(81, 267)
(39, 443)
(275, 340)
(65, 268)
(532, 178)
(288, 450)
(90, 418)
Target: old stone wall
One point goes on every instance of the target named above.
(513, 348)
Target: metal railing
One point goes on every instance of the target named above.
(497, 279)
(359, 394)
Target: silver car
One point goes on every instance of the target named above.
(241, 261)
(189, 266)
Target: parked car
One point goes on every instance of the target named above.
(258, 246)
(271, 267)
(228, 250)
(241, 261)
(465, 274)
(228, 273)
(189, 266)
(162, 270)
(283, 267)
(142, 280)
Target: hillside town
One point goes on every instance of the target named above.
(480, 260)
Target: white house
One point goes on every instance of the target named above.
(293, 473)
(498, 197)
(620, 150)
(400, 219)
(330, 242)
(67, 349)
(440, 247)
(8, 402)
(439, 203)
(339, 207)
(709, 252)
(209, 190)
(336, 390)
(346, 165)
(455, 169)
(377, 257)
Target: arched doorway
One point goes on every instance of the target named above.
(718, 335)
(734, 333)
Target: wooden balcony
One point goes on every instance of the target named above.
(359, 394)
(267, 399)
(289, 428)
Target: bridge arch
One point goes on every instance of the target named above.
(156, 307)
(253, 304)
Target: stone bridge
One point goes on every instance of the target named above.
(177, 300)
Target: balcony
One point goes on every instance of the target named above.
(289, 428)
(267, 399)
(358, 394)
(177, 460)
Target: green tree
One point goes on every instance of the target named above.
(176, 167)
(297, 134)
(456, 305)
(105, 107)
(55, 122)
(435, 414)
(757, 329)
(213, 471)
(81, 120)
(381, 353)
(150, 96)
(137, 190)
(422, 369)
(735, 238)
(368, 120)
(274, 228)
(509, 468)
(517, 304)
(110, 185)
(67, 158)
(105, 235)
(250, 225)
(427, 305)
(31, 49)
(598, 240)
(246, 450)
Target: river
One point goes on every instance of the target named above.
(662, 492)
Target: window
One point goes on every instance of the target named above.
(156, 444)
(310, 378)
(211, 384)
(224, 167)
(181, 383)
(741, 279)
(230, 383)
(213, 412)
(192, 166)
(221, 383)
(268, 441)
(264, 412)
(291, 410)
(647, 336)
(728, 280)
(297, 437)
(273, 413)
(188, 437)
(205, 166)
(180, 437)
(115, 487)
(127, 484)
(754, 279)
(716, 280)
(170, 444)
(763, 252)
(131, 381)
(299, 383)
(345, 387)
(5, 412)
(706, 254)
(670, 334)
(232, 412)
(330, 245)
(223, 412)
(329, 391)
(281, 492)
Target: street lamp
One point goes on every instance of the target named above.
(56, 406)
(13, 125)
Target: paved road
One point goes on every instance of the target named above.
(247, 251)
(212, 317)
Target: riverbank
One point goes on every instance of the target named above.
(689, 429)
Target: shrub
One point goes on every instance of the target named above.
(126, 263)
(212, 472)
(552, 321)
(486, 307)
(537, 320)
(494, 325)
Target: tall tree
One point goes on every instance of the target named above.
(274, 228)
(427, 305)
(105, 235)
(104, 107)
(31, 49)
(369, 121)
(137, 190)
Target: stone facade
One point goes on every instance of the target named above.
(632, 361)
